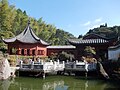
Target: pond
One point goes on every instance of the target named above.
(58, 83)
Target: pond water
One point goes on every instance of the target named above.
(58, 83)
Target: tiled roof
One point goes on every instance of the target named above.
(114, 47)
(62, 47)
(87, 41)
(27, 36)
(100, 36)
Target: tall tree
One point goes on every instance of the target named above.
(13, 21)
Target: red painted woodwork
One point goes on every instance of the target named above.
(59, 50)
(28, 49)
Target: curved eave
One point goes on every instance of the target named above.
(14, 40)
(44, 43)
(9, 40)
(73, 43)
(87, 41)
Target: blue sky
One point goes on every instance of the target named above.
(74, 16)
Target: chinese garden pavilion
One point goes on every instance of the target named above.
(99, 43)
(27, 43)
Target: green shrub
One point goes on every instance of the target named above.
(63, 56)
(53, 56)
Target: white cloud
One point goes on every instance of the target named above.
(93, 23)
(98, 20)
(96, 25)
(87, 23)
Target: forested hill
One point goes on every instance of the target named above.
(104, 30)
(13, 21)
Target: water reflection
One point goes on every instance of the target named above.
(56, 83)
(5, 84)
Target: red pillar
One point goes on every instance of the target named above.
(25, 51)
(31, 52)
(36, 51)
(19, 51)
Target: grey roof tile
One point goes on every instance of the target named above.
(87, 41)
(27, 36)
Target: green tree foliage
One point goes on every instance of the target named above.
(89, 50)
(20, 21)
(63, 56)
(108, 32)
(53, 56)
(80, 37)
(13, 21)
(7, 16)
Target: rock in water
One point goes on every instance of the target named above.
(4, 69)
(102, 71)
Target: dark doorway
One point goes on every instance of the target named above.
(33, 52)
(22, 52)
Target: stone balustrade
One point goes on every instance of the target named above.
(58, 66)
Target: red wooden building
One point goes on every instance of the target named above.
(99, 43)
(27, 43)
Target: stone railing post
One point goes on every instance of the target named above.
(55, 65)
(30, 61)
(86, 66)
(58, 61)
(21, 63)
(32, 65)
(63, 64)
(51, 62)
(67, 61)
(42, 62)
(39, 60)
(75, 63)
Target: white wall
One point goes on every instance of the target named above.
(113, 53)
